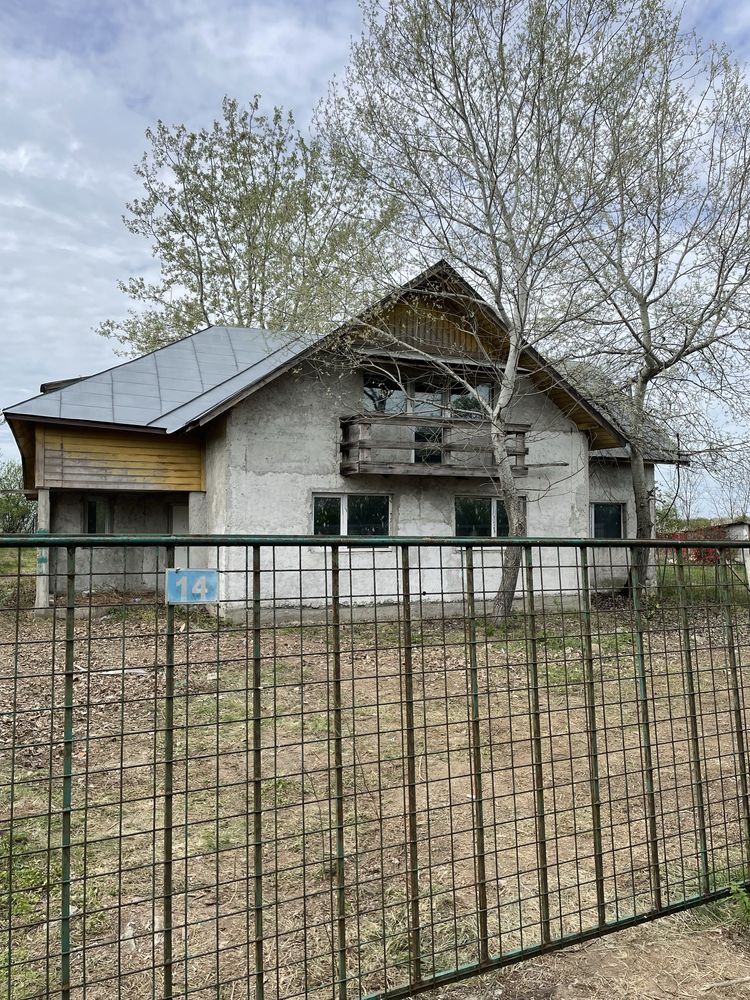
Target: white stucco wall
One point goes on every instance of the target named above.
(611, 482)
(281, 447)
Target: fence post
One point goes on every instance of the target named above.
(168, 789)
(589, 693)
(536, 747)
(67, 795)
(413, 858)
(737, 710)
(640, 665)
(476, 759)
(693, 724)
(339, 773)
(257, 782)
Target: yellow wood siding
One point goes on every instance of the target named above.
(73, 458)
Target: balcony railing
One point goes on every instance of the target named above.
(411, 445)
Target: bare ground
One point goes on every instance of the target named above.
(117, 790)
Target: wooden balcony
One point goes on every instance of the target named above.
(411, 445)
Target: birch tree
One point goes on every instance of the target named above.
(468, 114)
(666, 255)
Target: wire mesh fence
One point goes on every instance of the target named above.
(354, 773)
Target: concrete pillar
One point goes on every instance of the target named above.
(41, 602)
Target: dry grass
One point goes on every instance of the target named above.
(117, 822)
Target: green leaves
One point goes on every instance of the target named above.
(251, 224)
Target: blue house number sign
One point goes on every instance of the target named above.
(192, 586)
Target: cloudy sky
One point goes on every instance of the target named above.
(80, 81)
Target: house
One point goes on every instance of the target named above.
(242, 431)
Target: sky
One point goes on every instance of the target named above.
(80, 82)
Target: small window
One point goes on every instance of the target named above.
(383, 395)
(428, 399)
(607, 520)
(482, 517)
(97, 516)
(466, 405)
(429, 435)
(355, 514)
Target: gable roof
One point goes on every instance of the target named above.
(193, 380)
(442, 280)
(172, 387)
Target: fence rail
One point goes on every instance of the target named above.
(348, 776)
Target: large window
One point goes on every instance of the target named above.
(351, 514)
(607, 520)
(481, 517)
(424, 397)
(97, 516)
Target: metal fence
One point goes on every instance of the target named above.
(348, 776)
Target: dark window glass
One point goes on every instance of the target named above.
(367, 515)
(327, 516)
(474, 517)
(383, 395)
(97, 517)
(465, 405)
(428, 435)
(607, 520)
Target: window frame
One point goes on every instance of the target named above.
(107, 501)
(344, 512)
(482, 496)
(623, 519)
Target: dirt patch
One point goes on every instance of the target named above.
(373, 843)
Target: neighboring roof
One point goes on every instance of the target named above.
(658, 446)
(173, 387)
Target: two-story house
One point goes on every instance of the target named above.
(243, 431)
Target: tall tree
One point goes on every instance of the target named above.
(666, 254)
(468, 113)
(251, 225)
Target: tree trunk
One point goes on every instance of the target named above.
(643, 519)
(516, 513)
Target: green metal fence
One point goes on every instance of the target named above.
(350, 776)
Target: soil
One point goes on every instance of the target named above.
(401, 792)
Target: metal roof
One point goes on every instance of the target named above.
(174, 386)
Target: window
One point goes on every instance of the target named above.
(465, 405)
(432, 436)
(607, 520)
(384, 395)
(352, 514)
(97, 516)
(481, 517)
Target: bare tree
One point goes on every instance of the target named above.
(666, 254)
(464, 112)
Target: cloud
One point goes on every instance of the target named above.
(80, 81)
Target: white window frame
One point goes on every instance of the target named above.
(344, 508)
(608, 503)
